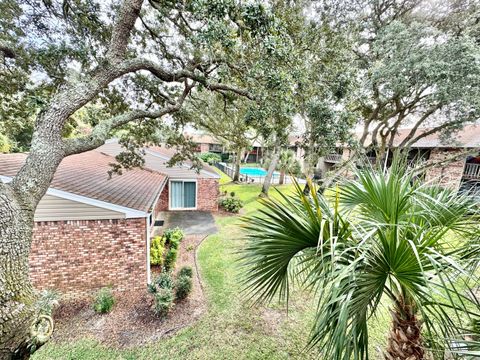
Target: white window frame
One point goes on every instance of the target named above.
(170, 194)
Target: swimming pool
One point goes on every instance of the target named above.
(255, 171)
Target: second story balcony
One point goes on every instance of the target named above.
(333, 158)
(471, 171)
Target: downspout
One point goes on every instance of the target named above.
(149, 226)
(149, 275)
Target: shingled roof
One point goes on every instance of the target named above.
(468, 137)
(156, 159)
(86, 174)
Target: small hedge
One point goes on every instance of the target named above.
(104, 301)
(157, 250)
(164, 287)
(163, 249)
(210, 158)
(163, 302)
(231, 204)
(171, 258)
(183, 287)
(186, 271)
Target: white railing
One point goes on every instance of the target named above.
(472, 171)
(333, 158)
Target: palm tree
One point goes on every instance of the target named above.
(381, 239)
(286, 164)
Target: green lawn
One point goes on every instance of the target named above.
(224, 178)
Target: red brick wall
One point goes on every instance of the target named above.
(207, 194)
(79, 257)
(449, 175)
(162, 204)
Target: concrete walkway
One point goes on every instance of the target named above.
(191, 222)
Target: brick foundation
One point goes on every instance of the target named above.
(449, 175)
(207, 194)
(79, 257)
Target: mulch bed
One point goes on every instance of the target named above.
(132, 321)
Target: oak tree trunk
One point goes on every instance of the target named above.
(17, 298)
(268, 178)
(238, 159)
(404, 339)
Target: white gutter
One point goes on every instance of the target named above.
(129, 212)
(149, 275)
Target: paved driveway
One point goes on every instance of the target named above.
(191, 222)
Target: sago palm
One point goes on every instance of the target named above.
(381, 240)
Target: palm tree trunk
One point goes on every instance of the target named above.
(404, 339)
(282, 178)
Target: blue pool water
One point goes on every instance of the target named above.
(252, 171)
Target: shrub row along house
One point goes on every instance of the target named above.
(93, 231)
(454, 162)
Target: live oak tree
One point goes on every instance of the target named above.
(120, 65)
(417, 66)
(225, 118)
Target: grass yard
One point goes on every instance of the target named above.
(224, 178)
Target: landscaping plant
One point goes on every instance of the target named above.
(186, 271)
(381, 240)
(231, 204)
(210, 158)
(163, 302)
(183, 286)
(104, 301)
(157, 250)
(173, 237)
(171, 258)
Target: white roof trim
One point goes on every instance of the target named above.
(156, 154)
(129, 212)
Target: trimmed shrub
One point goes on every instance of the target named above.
(157, 249)
(171, 258)
(173, 237)
(183, 286)
(186, 271)
(231, 204)
(164, 281)
(163, 302)
(104, 301)
(210, 158)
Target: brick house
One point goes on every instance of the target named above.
(455, 163)
(92, 231)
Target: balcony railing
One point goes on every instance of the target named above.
(333, 158)
(472, 171)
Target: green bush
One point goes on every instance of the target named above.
(186, 271)
(183, 286)
(170, 258)
(157, 249)
(231, 204)
(104, 301)
(173, 237)
(163, 302)
(210, 158)
(164, 281)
